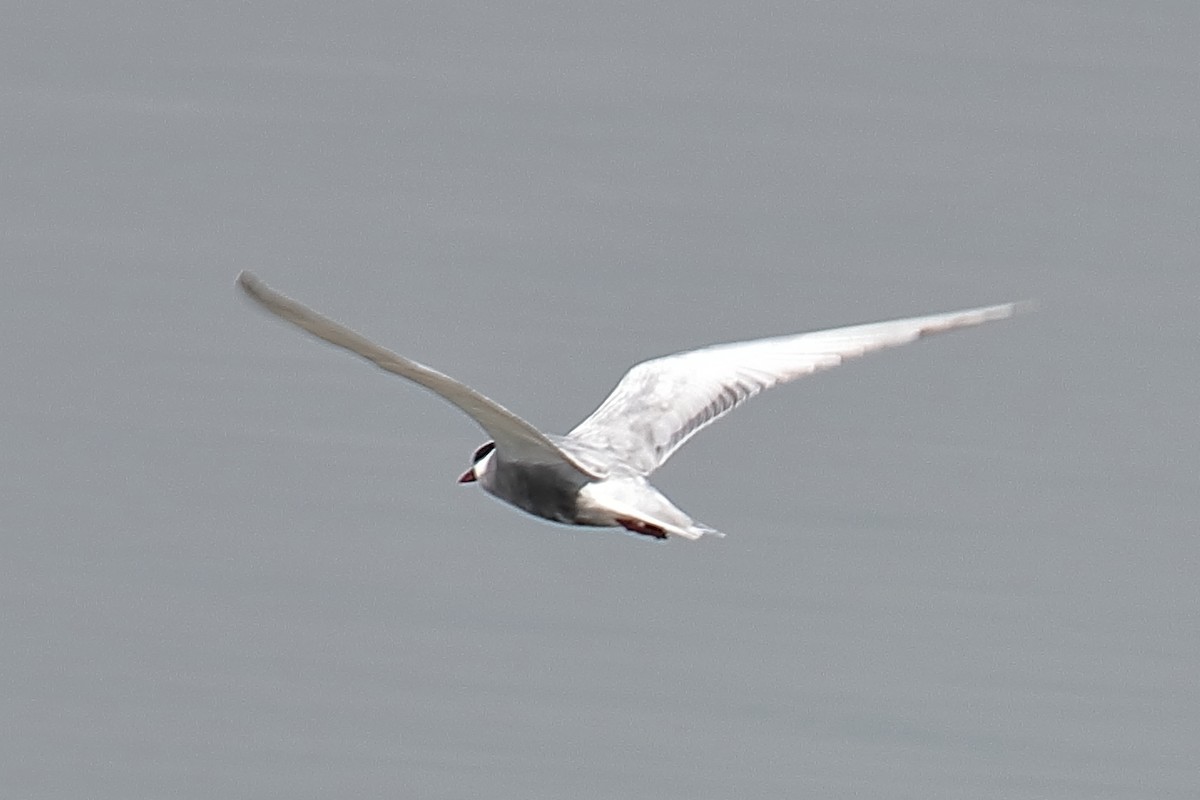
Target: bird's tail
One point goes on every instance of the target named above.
(696, 530)
(640, 508)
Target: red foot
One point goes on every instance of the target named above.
(644, 528)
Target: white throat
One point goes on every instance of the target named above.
(483, 465)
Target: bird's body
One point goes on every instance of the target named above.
(561, 493)
(598, 474)
(550, 491)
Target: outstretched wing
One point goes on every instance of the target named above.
(662, 403)
(514, 437)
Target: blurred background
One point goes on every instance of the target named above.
(235, 562)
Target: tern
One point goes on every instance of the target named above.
(598, 474)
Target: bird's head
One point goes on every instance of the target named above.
(481, 462)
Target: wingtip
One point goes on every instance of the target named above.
(990, 313)
(1024, 307)
(1006, 310)
(982, 314)
(255, 289)
(247, 280)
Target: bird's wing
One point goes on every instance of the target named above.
(662, 403)
(514, 437)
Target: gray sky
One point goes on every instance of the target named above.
(236, 563)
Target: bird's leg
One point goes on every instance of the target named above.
(644, 528)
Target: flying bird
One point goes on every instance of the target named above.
(598, 474)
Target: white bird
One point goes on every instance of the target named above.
(597, 474)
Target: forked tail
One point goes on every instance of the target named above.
(638, 507)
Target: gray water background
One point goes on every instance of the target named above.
(235, 562)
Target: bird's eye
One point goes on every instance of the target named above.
(483, 450)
